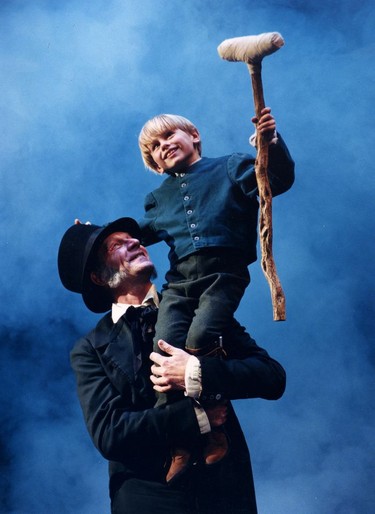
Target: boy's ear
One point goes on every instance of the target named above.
(96, 279)
(196, 136)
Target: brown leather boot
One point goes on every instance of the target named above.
(179, 464)
(216, 447)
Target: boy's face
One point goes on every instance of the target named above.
(174, 149)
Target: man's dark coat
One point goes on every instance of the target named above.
(136, 438)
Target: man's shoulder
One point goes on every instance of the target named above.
(100, 334)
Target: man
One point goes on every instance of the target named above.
(113, 272)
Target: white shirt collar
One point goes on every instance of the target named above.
(119, 309)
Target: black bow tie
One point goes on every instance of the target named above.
(142, 323)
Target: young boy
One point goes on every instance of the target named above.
(206, 210)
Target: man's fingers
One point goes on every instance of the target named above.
(79, 222)
(160, 381)
(156, 370)
(157, 358)
(166, 347)
(170, 368)
(159, 384)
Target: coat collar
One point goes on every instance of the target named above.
(113, 341)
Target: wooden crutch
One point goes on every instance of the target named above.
(252, 50)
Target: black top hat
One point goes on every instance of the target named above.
(77, 254)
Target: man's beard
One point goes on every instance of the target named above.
(114, 278)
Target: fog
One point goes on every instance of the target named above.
(78, 81)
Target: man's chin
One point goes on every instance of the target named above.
(148, 270)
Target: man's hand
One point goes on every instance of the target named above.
(168, 372)
(79, 222)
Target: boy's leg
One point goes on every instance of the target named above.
(216, 447)
(221, 295)
(174, 318)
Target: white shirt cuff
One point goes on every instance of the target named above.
(193, 378)
(204, 424)
(253, 139)
(193, 385)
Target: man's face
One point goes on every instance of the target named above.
(121, 252)
(174, 149)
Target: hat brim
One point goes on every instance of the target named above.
(97, 298)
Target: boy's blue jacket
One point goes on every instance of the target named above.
(213, 204)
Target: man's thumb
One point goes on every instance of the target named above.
(165, 347)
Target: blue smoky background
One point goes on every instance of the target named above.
(78, 81)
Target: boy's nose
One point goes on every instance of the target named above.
(164, 144)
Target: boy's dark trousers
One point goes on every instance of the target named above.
(202, 293)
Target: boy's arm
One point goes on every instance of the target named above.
(280, 167)
(266, 125)
(280, 163)
(149, 234)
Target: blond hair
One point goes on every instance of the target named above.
(158, 125)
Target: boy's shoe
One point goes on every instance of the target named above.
(179, 464)
(216, 448)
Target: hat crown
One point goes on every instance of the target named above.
(73, 254)
(77, 249)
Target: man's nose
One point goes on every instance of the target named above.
(133, 243)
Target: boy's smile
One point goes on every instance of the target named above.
(174, 149)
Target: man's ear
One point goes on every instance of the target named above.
(96, 279)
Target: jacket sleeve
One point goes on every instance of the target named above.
(280, 167)
(241, 170)
(120, 430)
(246, 372)
(150, 235)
